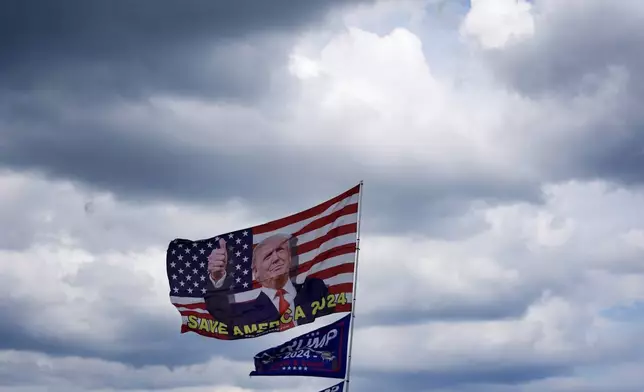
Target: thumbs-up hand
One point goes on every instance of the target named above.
(217, 261)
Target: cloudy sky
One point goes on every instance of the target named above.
(501, 144)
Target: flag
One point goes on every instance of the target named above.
(336, 388)
(268, 278)
(320, 353)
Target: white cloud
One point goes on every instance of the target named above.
(376, 99)
(554, 332)
(496, 23)
(82, 297)
(77, 373)
(303, 67)
(97, 221)
(580, 237)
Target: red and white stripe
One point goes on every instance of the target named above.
(326, 249)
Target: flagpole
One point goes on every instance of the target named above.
(355, 289)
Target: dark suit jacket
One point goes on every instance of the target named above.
(262, 309)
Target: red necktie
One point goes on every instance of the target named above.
(283, 307)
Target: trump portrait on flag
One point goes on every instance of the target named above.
(278, 297)
(269, 277)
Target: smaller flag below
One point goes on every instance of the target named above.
(336, 388)
(319, 353)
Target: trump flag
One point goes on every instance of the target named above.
(336, 388)
(267, 278)
(320, 353)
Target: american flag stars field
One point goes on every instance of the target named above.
(188, 263)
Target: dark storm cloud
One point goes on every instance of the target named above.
(576, 49)
(111, 49)
(415, 203)
(92, 53)
(59, 59)
(141, 337)
(501, 374)
(145, 341)
(137, 163)
(505, 307)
